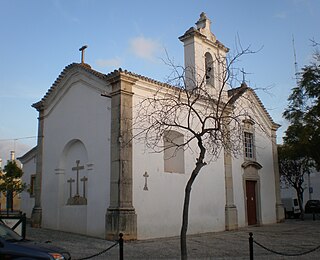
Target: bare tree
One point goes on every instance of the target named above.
(203, 110)
(314, 43)
(293, 166)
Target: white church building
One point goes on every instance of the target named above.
(84, 180)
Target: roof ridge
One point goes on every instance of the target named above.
(60, 77)
(117, 72)
(245, 87)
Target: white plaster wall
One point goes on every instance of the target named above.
(27, 201)
(264, 156)
(287, 192)
(238, 189)
(81, 114)
(194, 60)
(315, 184)
(267, 182)
(71, 216)
(159, 210)
(267, 179)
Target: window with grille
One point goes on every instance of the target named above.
(248, 145)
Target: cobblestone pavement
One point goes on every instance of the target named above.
(290, 237)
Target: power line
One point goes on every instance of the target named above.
(19, 138)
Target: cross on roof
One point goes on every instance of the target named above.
(82, 52)
(243, 75)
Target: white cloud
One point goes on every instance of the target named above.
(281, 15)
(144, 48)
(115, 62)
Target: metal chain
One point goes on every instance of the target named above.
(100, 253)
(284, 254)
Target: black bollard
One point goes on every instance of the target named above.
(251, 245)
(120, 246)
(24, 224)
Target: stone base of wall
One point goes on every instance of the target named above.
(280, 212)
(231, 215)
(121, 221)
(36, 217)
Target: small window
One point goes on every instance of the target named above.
(249, 145)
(173, 152)
(32, 185)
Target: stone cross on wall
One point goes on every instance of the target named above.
(70, 181)
(84, 179)
(145, 175)
(77, 168)
(77, 199)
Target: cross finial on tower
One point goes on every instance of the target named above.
(82, 52)
(203, 22)
(243, 75)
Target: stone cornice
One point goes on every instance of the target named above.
(193, 32)
(119, 75)
(254, 164)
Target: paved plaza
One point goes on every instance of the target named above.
(291, 237)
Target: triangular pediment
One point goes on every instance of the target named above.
(71, 74)
(260, 111)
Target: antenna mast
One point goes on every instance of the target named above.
(295, 61)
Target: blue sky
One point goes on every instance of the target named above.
(40, 37)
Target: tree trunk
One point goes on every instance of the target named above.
(300, 202)
(9, 201)
(185, 215)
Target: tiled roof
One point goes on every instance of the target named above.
(106, 77)
(68, 68)
(243, 88)
(28, 155)
(119, 71)
(138, 76)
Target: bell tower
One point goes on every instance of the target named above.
(204, 55)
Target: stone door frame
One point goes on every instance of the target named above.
(251, 174)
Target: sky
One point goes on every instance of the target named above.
(38, 38)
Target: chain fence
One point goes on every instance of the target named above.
(120, 242)
(252, 241)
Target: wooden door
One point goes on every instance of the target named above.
(251, 202)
